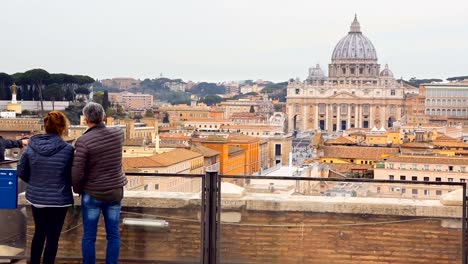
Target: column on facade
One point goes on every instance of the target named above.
(371, 116)
(383, 116)
(356, 115)
(291, 117)
(360, 115)
(304, 119)
(338, 117)
(348, 122)
(316, 117)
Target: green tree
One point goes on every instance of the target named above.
(212, 99)
(98, 97)
(82, 90)
(105, 100)
(39, 78)
(5, 81)
(53, 92)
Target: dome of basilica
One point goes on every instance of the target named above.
(316, 74)
(386, 72)
(354, 46)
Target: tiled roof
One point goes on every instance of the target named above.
(429, 159)
(444, 137)
(252, 127)
(133, 142)
(173, 136)
(424, 145)
(457, 144)
(354, 152)
(161, 160)
(140, 162)
(317, 139)
(241, 138)
(207, 152)
(346, 167)
(341, 141)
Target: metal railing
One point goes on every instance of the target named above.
(210, 211)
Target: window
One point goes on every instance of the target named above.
(438, 168)
(414, 178)
(438, 179)
(378, 189)
(391, 177)
(426, 167)
(462, 169)
(450, 179)
(156, 186)
(297, 91)
(462, 180)
(414, 191)
(426, 192)
(438, 192)
(390, 165)
(415, 166)
(426, 178)
(402, 178)
(402, 166)
(403, 190)
(392, 92)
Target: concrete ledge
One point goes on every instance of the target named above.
(281, 202)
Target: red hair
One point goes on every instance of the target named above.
(56, 123)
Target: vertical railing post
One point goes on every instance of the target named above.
(210, 224)
(464, 227)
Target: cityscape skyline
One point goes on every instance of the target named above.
(260, 40)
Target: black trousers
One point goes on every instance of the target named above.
(48, 222)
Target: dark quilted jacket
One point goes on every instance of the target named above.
(46, 167)
(97, 165)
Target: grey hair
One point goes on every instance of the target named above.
(93, 112)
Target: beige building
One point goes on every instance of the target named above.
(132, 101)
(447, 103)
(263, 107)
(420, 168)
(121, 83)
(178, 161)
(357, 93)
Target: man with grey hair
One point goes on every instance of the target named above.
(98, 177)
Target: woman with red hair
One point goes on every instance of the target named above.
(46, 168)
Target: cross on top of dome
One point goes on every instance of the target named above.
(355, 26)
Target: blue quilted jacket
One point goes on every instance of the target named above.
(46, 167)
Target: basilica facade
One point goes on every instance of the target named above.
(356, 94)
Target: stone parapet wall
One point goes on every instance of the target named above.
(285, 229)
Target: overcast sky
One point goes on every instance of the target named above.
(217, 40)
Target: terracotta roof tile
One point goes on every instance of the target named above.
(207, 152)
(429, 159)
(341, 141)
(355, 152)
(161, 160)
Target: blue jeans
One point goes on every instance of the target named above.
(91, 210)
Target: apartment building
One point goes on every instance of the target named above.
(131, 100)
(434, 168)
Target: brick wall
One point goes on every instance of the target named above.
(324, 238)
